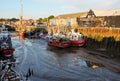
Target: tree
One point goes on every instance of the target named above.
(50, 17)
(40, 20)
(2, 19)
(14, 19)
(45, 19)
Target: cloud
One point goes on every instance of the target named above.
(88, 4)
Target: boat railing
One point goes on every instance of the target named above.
(3, 30)
(6, 64)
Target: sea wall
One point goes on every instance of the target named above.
(107, 46)
(103, 39)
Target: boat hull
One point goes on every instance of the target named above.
(58, 44)
(78, 42)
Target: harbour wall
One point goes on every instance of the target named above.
(108, 46)
(103, 39)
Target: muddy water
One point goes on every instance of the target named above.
(71, 64)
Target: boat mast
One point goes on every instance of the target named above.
(21, 14)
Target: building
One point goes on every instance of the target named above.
(67, 19)
(92, 18)
(102, 18)
(25, 25)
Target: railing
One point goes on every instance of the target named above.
(3, 30)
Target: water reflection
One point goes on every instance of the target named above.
(79, 57)
(56, 50)
(62, 54)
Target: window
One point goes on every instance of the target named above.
(53, 22)
(68, 22)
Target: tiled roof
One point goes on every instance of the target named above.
(80, 14)
(113, 12)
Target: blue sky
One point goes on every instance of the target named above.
(34, 9)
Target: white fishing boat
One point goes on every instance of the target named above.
(6, 49)
(76, 38)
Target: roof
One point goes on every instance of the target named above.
(113, 12)
(80, 14)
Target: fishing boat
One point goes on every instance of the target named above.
(81, 42)
(9, 73)
(76, 39)
(59, 42)
(41, 35)
(6, 49)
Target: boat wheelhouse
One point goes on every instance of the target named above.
(76, 39)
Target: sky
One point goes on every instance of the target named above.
(35, 9)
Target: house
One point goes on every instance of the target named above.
(67, 19)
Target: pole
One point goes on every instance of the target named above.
(21, 14)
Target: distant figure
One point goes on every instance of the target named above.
(32, 72)
(27, 77)
(29, 74)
